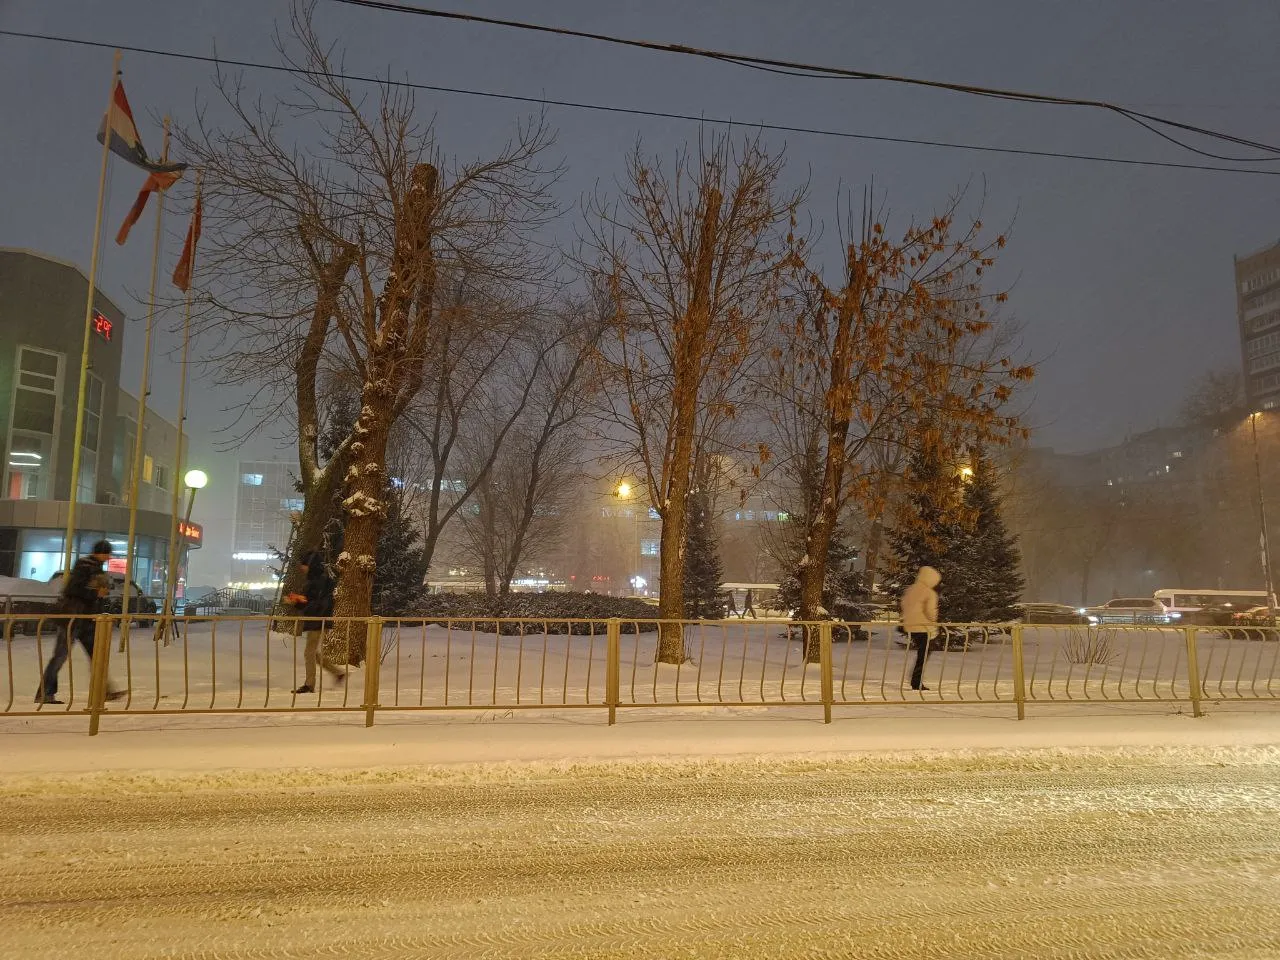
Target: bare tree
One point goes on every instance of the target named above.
(524, 491)
(1213, 395)
(691, 257)
(337, 220)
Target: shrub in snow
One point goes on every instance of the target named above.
(547, 612)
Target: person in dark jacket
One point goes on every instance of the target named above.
(82, 595)
(315, 603)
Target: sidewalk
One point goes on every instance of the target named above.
(60, 746)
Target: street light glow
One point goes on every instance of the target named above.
(196, 479)
(966, 472)
(624, 490)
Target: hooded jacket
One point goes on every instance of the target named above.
(920, 603)
(318, 591)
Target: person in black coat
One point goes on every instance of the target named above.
(315, 603)
(82, 593)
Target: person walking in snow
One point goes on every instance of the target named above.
(748, 605)
(83, 591)
(316, 603)
(920, 618)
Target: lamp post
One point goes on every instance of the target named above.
(1262, 514)
(624, 491)
(194, 481)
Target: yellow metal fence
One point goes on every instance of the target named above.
(255, 664)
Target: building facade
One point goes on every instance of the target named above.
(42, 302)
(1258, 313)
(266, 495)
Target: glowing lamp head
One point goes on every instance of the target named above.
(196, 479)
(624, 490)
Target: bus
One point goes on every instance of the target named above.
(1187, 602)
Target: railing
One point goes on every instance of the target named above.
(254, 664)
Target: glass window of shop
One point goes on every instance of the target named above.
(33, 425)
(87, 484)
(40, 556)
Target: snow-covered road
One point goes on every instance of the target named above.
(1070, 853)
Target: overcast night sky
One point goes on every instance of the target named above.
(1122, 275)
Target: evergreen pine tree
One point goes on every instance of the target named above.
(928, 533)
(703, 571)
(401, 570)
(960, 533)
(992, 561)
(843, 587)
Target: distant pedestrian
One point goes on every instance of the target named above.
(748, 605)
(316, 603)
(733, 607)
(920, 618)
(83, 591)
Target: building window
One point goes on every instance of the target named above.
(33, 425)
(648, 548)
(160, 476)
(251, 479)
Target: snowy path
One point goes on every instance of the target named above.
(1081, 854)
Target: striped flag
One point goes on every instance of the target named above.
(125, 142)
(155, 182)
(182, 272)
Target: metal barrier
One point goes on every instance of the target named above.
(248, 664)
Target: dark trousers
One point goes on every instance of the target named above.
(82, 629)
(920, 643)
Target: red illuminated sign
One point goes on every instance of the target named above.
(193, 533)
(102, 326)
(117, 565)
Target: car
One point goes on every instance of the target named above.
(27, 602)
(1136, 610)
(1254, 613)
(1052, 613)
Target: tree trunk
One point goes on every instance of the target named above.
(365, 513)
(839, 406)
(690, 351)
(874, 539)
(671, 582)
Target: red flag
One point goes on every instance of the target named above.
(182, 272)
(156, 181)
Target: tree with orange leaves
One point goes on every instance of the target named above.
(888, 356)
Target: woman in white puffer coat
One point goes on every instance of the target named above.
(920, 618)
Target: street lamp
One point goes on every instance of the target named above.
(624, 490)
(966, 473)
(194, 481)
(1262, 513)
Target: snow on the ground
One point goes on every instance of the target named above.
(238, 665)
(44, 746)
(1066, 854)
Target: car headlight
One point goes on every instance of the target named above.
(1175, 615)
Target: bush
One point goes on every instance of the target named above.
(553, 612)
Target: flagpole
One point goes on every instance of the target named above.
(69, 550)
(171, 585)
(144, 392)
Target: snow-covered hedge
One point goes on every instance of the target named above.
(553, 611)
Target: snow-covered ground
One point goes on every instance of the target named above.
(1147, 854)
(237, 665)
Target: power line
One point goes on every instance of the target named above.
(798, 69)
(639, 112)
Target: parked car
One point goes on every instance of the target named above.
(1256, 623)
(27, 601)
(1137, 610)
(139, 602)
(1052, 613)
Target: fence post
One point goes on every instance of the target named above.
(612, 667)
(372, 667)
(1019, 673)
(825, 656)
(97, 669)
(1193, 671)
